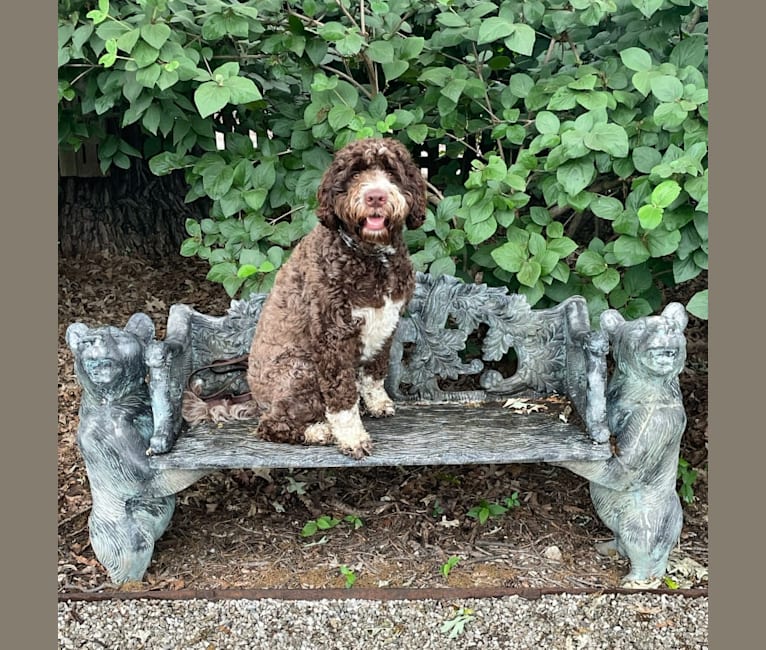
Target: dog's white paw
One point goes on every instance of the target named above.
(376, 401)
(349, 432)
(319, 433)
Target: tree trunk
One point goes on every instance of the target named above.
(127, 212)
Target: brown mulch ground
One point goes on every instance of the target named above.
(242, 529)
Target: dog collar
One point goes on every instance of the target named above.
(377, 250)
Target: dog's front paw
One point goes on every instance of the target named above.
(349, 433)
(382, 409)
(357, 451)
(376, 401)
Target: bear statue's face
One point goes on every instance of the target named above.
(654, 346)
(108, 358)
(104, 353)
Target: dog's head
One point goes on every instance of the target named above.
(371, 189)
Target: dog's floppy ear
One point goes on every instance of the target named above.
(417, 215)
(344, 165)
(326, 195)
(410, 179)
(415, 185)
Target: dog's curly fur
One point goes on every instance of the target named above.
(324, 335)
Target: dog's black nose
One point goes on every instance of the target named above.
(375, 198)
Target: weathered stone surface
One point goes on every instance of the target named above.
(418, 434)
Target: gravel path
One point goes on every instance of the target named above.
(608, 621)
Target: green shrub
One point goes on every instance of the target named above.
(566, 141)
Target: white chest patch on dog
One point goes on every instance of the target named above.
(377, 325)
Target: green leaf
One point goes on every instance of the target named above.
(636, 59)
(649, 216)
(520, 85)
(494, 28)
(351, 45)
(630, 251)
(242, 90)
(575, 175)
(691, 51)
(562, 246)
(547, 122)
(442, 266)
(669, 115)
(685, 270)
(529, 273)
(450, 19)
(151, 119)
(454, 89)
(246, 270)
(409, 48)
(220, 272)
(663, 242)
(646, 158)
(381, 51)
(210, 98)
(417, 133)
(309, 529)
(97, 16)
(255, 198)
(698, 305)
(476, 233)
(340, 116)
(155, 34)
(395, 69)
(665, 193)
(522, 40)
(607, 280)
(606, 207)
(189, 248)
(217, 179)
(590, 263)
(232, 284)
(610, 138)
(149, 75)
(637, 280)
(127, 40)
(647, 7)
(666, 88)
(144, 54)
(510, 256)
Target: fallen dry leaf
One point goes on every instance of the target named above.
(523, 407)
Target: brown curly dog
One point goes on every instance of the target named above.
(324, 334)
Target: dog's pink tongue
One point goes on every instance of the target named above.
(375, 223)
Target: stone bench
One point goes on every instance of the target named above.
(459, 353)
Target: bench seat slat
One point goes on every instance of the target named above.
(433, 434)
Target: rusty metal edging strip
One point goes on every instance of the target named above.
(365, 593)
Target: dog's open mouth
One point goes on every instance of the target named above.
(375, 223)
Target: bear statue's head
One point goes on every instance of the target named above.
(109, 361)
(650, 347)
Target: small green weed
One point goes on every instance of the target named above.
(349, 575)
(486, 510)
(326, 522)
(355, 521)
(688, 477)
(450, 564)
(454, 627)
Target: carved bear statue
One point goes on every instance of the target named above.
(113, 436)
(634, 492)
